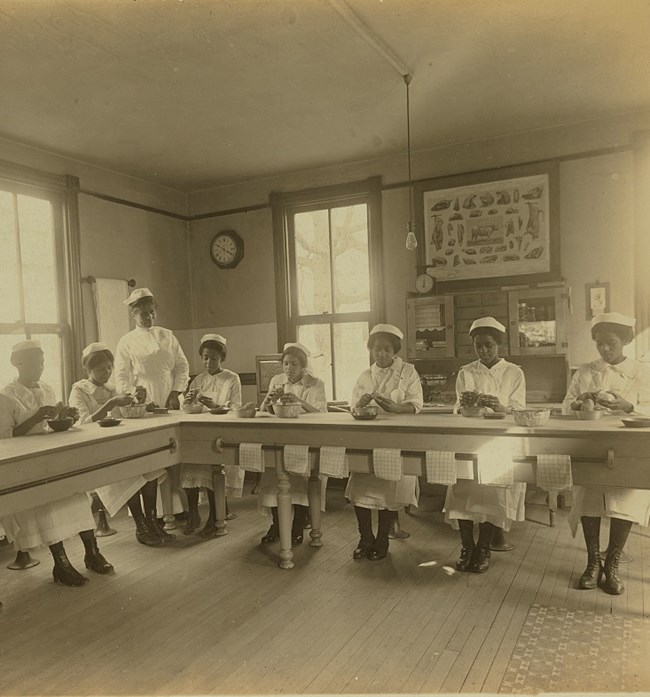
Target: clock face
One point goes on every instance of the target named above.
(424, 283)
(227, 249)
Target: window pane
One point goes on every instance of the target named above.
(10, 278)
(52, 374)
(7, 371)
(38, 259)
(316, 337)
(350, 356)
(351, 258)
(312, 248)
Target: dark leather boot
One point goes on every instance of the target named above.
(466, 528)
(366, 538)
(480, 561)
(142, 532)
(618, 532)
(94, 559)
(379, 549)
(154, 525)
(63, 571)
(298, 525)
(274, 531)
(591, 575)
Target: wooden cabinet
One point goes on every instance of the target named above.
(471, 306)
(537, 323)
(430, 327)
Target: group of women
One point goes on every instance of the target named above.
(150, 357)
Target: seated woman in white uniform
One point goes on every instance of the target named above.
(217, 386)
(395, 387)
(25, 404)
(501, 386)
(151, 357)
(94, 398)
(620, 385)
(309, 391)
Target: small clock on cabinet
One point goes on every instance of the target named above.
(227, 249)
(424, 283)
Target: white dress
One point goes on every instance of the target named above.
(401, 383)
(87, 397)
(223, 387)
(468, 500)
(51, 522)
(630, 379)
(154, 359)
(312, 390)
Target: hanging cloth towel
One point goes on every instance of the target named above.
(296, 459)
(250, 457)
(495, 467)
(387, 463)
(441, 467)
(333, 462)
(553, 472)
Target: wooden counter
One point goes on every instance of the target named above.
(37, 469)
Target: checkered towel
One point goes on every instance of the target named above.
(250, 457)
(296, 459)
(495, 468)
(387, 463)
(333, 462)
(441, 467)
(553, 472)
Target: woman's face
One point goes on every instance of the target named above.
(211, 360)
(383, 353)
(292, 367)
(101, 372)
(486, 348)
(610, 347)
(30, 365)
(144, 314)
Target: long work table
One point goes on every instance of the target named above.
(38, 469)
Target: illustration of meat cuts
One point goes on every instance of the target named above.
(460, 233)
(503, 198)
(482, 233)
(441, 205)
(469, 201)
(436, 237)
(510, 228)
(535, 219)
(456, 204)
(486, 199)
(534, 193)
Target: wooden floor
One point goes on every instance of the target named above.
(219, 617)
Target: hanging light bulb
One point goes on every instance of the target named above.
(411, 239)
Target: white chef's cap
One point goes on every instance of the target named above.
(95, 347)
(299, 346)
(613, 318)
(138, 294)
(26, 346)
(213, 337)
(487, 322)
(387, 329)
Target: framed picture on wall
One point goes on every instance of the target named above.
(266, 366)
(497, 224)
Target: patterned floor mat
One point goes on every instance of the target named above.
(562, 650)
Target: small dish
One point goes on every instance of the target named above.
(472, 412)
(59, 425)
(636, 421)
(245, 412)
(192, 408)
(589, 415)
(160, 410)
(364, 413)
(107, 423)
(494, 415)
(219, 410)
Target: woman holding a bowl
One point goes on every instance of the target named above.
(619, 385)
(494, 383)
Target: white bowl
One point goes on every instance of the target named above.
(287, 411)
(135, 411)
(192, 408)
(589, 415)
(472, 412)
(533, 417)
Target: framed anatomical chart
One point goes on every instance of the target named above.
(500, 224)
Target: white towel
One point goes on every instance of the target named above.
(333, 462)
(251, 457)
(553, 472)
(296, 459)
(112, 315)
(441, 467)
(495, 466)
(387, 463)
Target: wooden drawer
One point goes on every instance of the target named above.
(468, 300)
(466, 352)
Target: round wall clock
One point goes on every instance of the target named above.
(227, 249)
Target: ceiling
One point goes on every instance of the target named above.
(198, 93)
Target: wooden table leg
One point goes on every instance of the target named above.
(552, 507)
(285, 514)
(166, 494)
(219, 488)
(314, 510)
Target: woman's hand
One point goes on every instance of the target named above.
(173, 401)
(491, 401)
(393, 407)
(618, 403)
(206, 401)
(120, 400)
(364, 400)
(46, 412)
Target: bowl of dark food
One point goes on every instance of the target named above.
(219, 410)
(367, 413)
(107, 423)
(494, 415)
(636, 421)
(60, 424)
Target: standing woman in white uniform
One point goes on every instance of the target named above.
(395, 386)
(151, 357)
(25, 404)
(94, 398)
(502, 387)
(309, 391)
(620, 384)
(217, 386)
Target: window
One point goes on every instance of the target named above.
(35, 285)
(328, 290)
